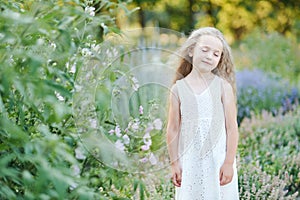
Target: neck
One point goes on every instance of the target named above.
(202, 75)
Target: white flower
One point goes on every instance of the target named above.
(53, 45)
(119, 145)
(145, 147)
(79, 154)
(126, 139)
(134, 125)
(93, 123)
(118, 131)
(76, 170)
(152, 159)
(157, 124)
(147, 139)
(73, 68)
(135, 84)
(141, 110)
(95, 47)
(86, 52)
(58, 96)
(149, 128)
(90, 10)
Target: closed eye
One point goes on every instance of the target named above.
(204, 49)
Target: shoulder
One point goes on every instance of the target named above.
(226, 86)
(227, 94)
(174, 89)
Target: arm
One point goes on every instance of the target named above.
(230, 112)
(173, 135)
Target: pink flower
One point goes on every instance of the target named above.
(126, 139)
(118, 131)
(152, 159)
(149, 128)
(157, 123)
(147, 139)
(119, 145)
(111, 131)
(145, 147)
(144, 160)
(141, 110)
(134, 125)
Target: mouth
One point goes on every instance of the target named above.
(208, 63)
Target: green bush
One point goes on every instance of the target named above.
(271, 53)
(42, 46)
(269, 157)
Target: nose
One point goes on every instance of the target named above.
(209, 55)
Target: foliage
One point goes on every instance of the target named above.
(258, 91)
(269, 157)
(271, 53)
(43, 44)
(235, 18)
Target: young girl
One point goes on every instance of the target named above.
(202, 133)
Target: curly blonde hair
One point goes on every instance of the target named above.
(225, 67)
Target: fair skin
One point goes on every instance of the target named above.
(206, 56)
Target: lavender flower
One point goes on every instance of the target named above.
(141, 110)
(119, 145)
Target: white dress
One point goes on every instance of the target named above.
(202, 144)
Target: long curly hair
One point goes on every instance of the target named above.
(225, 67)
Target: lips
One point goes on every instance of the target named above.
(208, 63)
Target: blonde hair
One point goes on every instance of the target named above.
(225, 67)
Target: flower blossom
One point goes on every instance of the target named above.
(126, 139)
(79, 154)
(157, 123)
(118, 131)
(153, 159)
(147, 142)
(141, 110)
(119, 145)
(144, 160)
(90, 10)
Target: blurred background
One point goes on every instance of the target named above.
(60, 70)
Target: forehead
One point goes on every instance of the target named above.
(210, 41)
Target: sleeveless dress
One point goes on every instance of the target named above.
(202, 144)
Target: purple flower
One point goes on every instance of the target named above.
(141, 110)
(144, 160)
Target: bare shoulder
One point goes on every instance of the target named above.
(174, 91)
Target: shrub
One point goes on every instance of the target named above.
(258, 91)
(269, 156)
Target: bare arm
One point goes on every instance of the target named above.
(173, 135)
(230, 112)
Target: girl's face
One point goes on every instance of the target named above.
(207, 53)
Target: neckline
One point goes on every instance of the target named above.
(200, 94)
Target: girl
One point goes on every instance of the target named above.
(202, 133)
